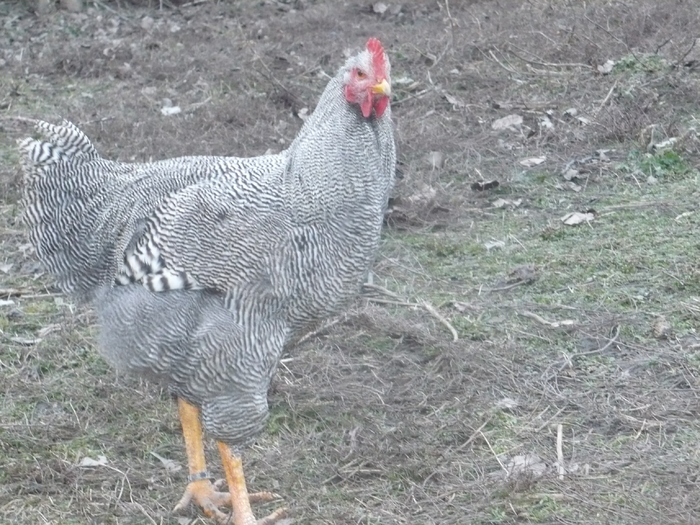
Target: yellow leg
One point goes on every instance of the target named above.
(200, 489)
(240, 500)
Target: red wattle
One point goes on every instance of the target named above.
(380, 105)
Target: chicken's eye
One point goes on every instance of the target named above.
(361, 74)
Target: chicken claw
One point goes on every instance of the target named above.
(203, 494)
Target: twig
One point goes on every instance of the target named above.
(545, 71)
(690, 49)
(271, 76)
(422, 304)
(508, 287)
(542, 320)
(143, 511)
(432, 311)
(321, 329)
(550, 64)
(395, 103)
(612, 36)
(568, 360)
(560, 451)
(380, 289)
(509, 70)
(107, 8)
(658, 48)
(633, 205)
(453, 22)
(389, 301)
(607, 97)
(539, 429)
(474, 434)
(453, 25)
(11, 292)
(194, 3)
(611, 341)
(536, 317)
(21, 119)
(494, 453)
(39, 295)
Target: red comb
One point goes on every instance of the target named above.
(375, 47)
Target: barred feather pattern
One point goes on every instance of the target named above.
(203, 268)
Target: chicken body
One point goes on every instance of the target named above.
(203, 268)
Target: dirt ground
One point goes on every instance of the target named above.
(570, 394)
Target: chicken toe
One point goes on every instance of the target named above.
(203, 494)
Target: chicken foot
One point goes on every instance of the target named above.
(205, 494)
(240, 500)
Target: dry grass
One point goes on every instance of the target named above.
(586, 336)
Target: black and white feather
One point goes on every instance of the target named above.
(202, 268)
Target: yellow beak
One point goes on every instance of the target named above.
(383, 88)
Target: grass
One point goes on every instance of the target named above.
(381, 418)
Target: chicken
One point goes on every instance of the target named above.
(201, 269)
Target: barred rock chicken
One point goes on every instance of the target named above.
(202, 268)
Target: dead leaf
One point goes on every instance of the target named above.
(48, 330)
(545, 123)
(526, 273)
(169, 464)
(429, 58)
(509, 122)
(170, 110)
(25, 341)
(380, 8)
(436, 159)
(484, 185)
(460, 306)
(72, 6)
(303, 114)
(571, 112)
(655, 148)
(456, 103)
(602, 154)
(507, 403)
(490, 245)
(101, 461)
(533, 161)
(577, 217)
(573, 186)
(406, 83)
(571, 174)
(5, 268)
(528, 464)
(661, 328)
(6, 302)
(25, 249)
(424, 196)
(606, 68)
(507, 203)
(147, 23)
(583, 121)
